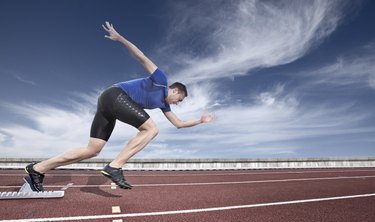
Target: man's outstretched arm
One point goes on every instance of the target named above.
(189, 123)
(136, 53)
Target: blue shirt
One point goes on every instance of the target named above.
(150, 92)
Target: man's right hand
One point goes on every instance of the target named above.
(113, 34)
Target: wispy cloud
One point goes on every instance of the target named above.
(18, 76)
(52, 131)
(55, 129)
(235, 37)
(357, 68)
(271, 125)
(21, 79)
(238, 36)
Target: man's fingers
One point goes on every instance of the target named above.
(111, 31)
(209, 117)
(105, 28)
(109, 25)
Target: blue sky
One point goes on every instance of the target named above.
(284, 78)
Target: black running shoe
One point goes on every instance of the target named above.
(36, 177)
(115, 174)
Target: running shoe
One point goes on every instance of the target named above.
(36, 177)
(116, 175)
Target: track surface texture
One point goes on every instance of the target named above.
(344, 195)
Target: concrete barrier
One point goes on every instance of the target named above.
(207, 164)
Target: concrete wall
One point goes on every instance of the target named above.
(208, 164)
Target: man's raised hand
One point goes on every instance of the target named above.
(113, 34)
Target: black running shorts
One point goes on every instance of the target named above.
(115, 104)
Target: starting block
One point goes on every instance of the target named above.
(28, 192)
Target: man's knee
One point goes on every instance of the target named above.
(94, 147)
(92, 152)
(150, 128)
(154, 131)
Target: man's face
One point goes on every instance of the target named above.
(174, 97)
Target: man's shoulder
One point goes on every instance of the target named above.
(159, 77)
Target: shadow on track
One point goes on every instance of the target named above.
(98, 190)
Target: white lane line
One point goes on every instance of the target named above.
(247, 173)
(200, 210)
(215, 183)
(206, 174)
(67, 186)
(253, 181)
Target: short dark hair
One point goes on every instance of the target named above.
(181, 87)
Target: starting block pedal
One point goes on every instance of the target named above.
(28, 192)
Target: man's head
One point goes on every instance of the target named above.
(176, 93)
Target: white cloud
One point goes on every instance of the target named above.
(269, 126)
(238, 36)
(355, 69)
(21, 79)
(18, 76)
(2, 138)
(53, 131)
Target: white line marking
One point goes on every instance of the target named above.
(244, 173)
(116, 209)
(206, 174)
(253, 181)
(113, 186)
(215, 183)
(67, 186)
(93, 217)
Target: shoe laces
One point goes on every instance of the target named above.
(38, 178)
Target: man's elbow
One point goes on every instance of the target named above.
(179, 125)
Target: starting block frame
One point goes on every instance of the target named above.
(28, 192)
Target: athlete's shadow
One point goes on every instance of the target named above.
(97, 190)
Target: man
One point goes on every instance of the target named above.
(124, 101)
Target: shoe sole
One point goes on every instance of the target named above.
(109, 176)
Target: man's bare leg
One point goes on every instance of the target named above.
(147, 131)
(72, 156)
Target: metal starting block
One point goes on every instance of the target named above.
(27, 192)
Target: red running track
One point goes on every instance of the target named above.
(241, 195)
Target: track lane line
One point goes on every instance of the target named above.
(199, 210)
(253, 181)
(212, 183)
(201, 174)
